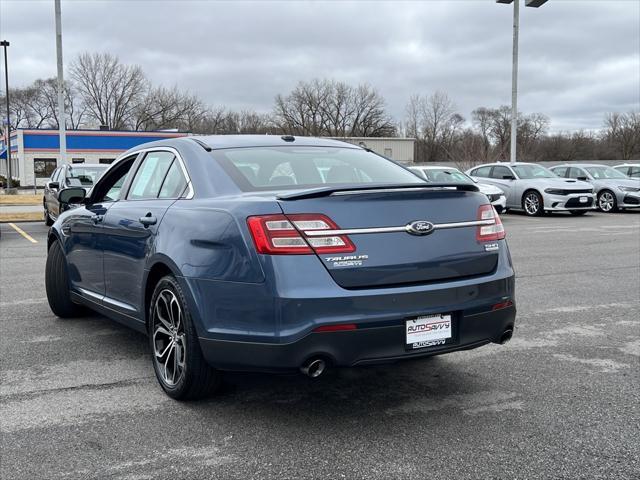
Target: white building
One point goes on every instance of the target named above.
(398, 149)
(35, 153)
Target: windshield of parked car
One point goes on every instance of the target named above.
(84, 176)
(532, 171)
(603, 172)
(446, 175)
(269, 168)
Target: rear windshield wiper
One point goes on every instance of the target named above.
(338, 189)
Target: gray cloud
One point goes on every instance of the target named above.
(579, 59)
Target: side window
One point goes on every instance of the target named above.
(500, 172)
(481, 172)
(174, 183)
(576, 172)
(109, 186)
(634, 172)
(560, 171)
(150, 175)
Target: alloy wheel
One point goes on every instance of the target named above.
(606, 201)
(532, 204)
(169, 339)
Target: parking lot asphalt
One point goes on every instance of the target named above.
(562, 400)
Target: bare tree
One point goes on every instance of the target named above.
(326, 107)
(622, 133)
(163, 108)
(530, 129)
(434, 121)
(74, 107)
(112, 91)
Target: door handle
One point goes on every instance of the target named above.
(148, 219)
(96, 219)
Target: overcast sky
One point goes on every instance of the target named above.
(578, 58)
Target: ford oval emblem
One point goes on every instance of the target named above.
(420, 227)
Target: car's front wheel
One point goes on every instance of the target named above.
(532, 203)
(178, 362)
(56, 281)
(607, 201)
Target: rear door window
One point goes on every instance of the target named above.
(481, 172)
(560, 171)
(174, 183)
(500, 172)
(150, 175)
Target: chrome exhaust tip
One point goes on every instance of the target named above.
(506, 336)
(314, 368)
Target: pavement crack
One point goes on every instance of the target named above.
(83, 387)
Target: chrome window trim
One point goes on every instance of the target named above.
(403, 228)
(190, 191)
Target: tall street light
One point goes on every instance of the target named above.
(514, 68)
(5, 44)
(62, 127)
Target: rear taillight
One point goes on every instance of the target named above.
(493, 231)
(285, 235)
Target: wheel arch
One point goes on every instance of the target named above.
(531, 189)
(161, 266)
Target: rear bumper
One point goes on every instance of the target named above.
(369, 345)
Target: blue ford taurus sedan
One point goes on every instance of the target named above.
(268, 253)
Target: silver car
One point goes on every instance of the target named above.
(535, 189)
(435, 173)
(613, 189)
(629, 169)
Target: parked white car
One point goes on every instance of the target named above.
(535, 189)
(453, 175)
(613, 189)
(629, 169)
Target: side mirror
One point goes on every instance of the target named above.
(71, 195)
(53, 185)
(584, 179)
(508, 177)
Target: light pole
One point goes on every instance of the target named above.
(514, 69)
(62, 127)
(5, 44)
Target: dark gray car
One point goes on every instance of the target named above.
(74, 175)
(613, 189)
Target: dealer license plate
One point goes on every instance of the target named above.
(428, 331)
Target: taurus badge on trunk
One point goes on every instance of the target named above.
(420, 227)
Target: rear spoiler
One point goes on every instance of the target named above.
(373, 188)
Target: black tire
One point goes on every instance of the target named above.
(56, 281)
(607, 201)
(196, 379)
(532, 203)
(578, 212)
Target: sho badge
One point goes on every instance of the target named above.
(420, 227)
(490, 247)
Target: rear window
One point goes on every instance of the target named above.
(446, 175)
(277, 168)
(83, 175)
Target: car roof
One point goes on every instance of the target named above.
(504, 164)
(238, 141)
(433, 167)
(580, 165)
